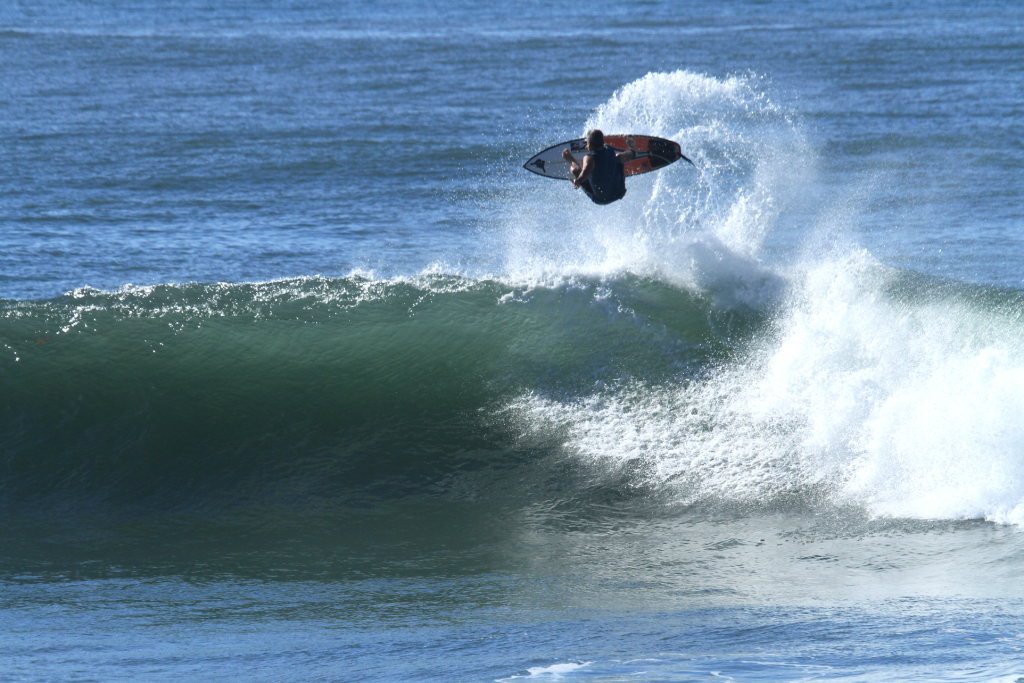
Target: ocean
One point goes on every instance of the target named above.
(305, 378)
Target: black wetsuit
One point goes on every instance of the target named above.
(608, 181)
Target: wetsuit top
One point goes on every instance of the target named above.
(608, 181)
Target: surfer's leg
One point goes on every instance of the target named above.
(574, 167)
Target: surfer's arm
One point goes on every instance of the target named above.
(628, 155)
(585, 172)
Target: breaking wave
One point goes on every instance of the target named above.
(660, 344)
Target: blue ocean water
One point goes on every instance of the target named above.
(305, 378)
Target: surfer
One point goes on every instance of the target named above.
(602, 174)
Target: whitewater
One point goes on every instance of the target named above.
(269, 414)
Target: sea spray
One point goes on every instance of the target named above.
(753, 162)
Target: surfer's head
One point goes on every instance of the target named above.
(595, 140)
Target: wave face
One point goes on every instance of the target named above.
(339, 388)
(865, 387)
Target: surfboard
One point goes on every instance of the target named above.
(651, 154)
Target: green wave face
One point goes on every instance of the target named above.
(336, 389)
(359, 427)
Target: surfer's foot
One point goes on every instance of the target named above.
(630, 142)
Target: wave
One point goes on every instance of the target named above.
(320, 386)
(866, 386)
(663, 348)
(894, 393)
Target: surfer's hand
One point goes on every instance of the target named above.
(567, 155)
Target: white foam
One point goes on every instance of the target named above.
(555, 672)
(907, 408)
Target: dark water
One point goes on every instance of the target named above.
(304, 378)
